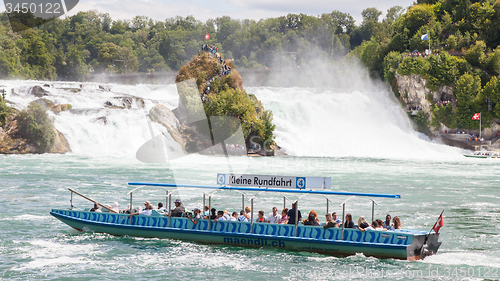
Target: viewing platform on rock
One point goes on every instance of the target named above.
(468, 141)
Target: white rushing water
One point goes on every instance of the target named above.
(359, 122)
(325, 122)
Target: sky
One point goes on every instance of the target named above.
(239, 9)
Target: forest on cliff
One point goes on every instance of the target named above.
(464, 35)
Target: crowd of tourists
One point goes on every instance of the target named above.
(443, 103)
(224, 70)
(416, 54)
(287, 216)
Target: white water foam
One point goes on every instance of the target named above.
(46, 253)
(91, 128)
(365, 122)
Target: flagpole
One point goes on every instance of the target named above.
(435, 223)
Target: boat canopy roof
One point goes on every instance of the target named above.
(260, 189)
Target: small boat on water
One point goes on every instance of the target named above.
(484, 154)
(406, 244)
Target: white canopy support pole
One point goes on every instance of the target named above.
(373, 210)
(169, 209)
(204, 205)
(327, 204)
(251, 210)
(209, 212)
(242, 201)
(130, 210)
(343, 220)
(296, 215)
(251, 215)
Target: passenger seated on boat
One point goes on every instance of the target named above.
(247, 212)
(179, 208)
(336, 219)
(115, 207)
(387, 223)
(380, 223)
(397, 224)
(220, 216)
(96, 208)
(242, 217)
(348, 221)
(371, 227)
(284, 216)
(196, 217)
(291, 214)
(234, 216)
(274, 217)
(311, 219)
(126, 210)
(214, 214)
(207, 212)
(146, 212)
(362, 223)
(329, 222)
(161, 209)
(226, 215)
(261, 217)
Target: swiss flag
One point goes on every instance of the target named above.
(207, 36)
(476, 116)
(438, 224)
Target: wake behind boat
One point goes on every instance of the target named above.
(405, 244)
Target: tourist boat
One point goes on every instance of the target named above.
(484, 154)
(407, 244)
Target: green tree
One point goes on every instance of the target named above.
(493, 64)
(35, 56)
(35, 124)
(476, 54)
(468, 88)
(492, 91)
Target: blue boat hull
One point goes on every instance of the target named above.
(407, 244)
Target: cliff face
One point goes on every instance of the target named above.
(416, 96)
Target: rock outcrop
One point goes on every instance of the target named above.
(164, 116)
(415, 94)
(61, 144)
(38, 91)
(50, 105)
(125, 102)
(13, 142)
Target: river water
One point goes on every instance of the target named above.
(359, 137)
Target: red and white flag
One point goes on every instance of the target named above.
(438, 224)
(207, 36)
(476, 116)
